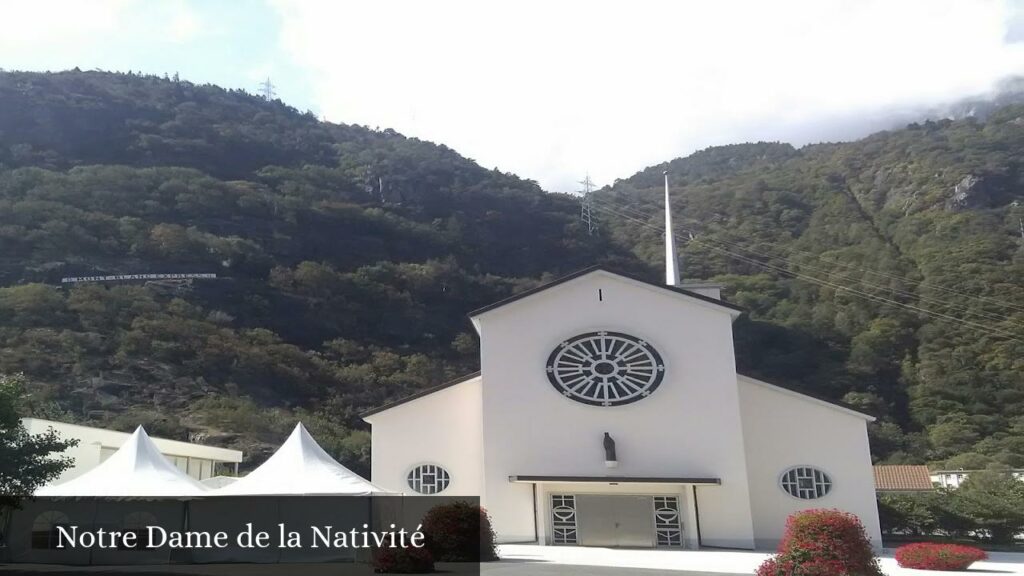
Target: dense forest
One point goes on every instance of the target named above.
(887, 272)
(884, 272)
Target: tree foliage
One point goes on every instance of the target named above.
(888, 272)
(988, 505)
(27, 461)
(347, 259)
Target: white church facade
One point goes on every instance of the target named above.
(608, 412)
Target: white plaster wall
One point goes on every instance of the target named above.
(442, 428)
(689, 427)
(784, 430)
(92, 441)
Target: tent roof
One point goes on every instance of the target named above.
(136, 470)
(300, 467)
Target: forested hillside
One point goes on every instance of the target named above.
(347, 259)
(888, 272)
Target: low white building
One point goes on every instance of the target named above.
(95, 445)
(954, 478)
(608, 412)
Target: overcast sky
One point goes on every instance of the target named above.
(553, 89)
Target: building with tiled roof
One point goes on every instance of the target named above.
(902, 478)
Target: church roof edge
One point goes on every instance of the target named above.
(591, 269)
(801, 391)
(420, 394)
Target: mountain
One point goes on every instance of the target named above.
(347, 258)
(1009, 91)
(888, 272)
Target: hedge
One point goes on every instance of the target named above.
(928, 556)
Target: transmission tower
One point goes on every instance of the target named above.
(266, 90)
(586, 215)
(1020, 221)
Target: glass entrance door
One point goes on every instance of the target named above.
(613, 520)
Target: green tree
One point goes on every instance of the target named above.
(316, 228)
(994, 501)
(954, 433)
(27, 461)
(906, 514)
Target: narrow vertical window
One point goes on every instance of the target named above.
(563, 519)
(666, 521)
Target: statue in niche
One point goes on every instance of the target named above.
(609, 448)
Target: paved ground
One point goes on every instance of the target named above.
(528, 560)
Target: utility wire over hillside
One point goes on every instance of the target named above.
(823, 258)
(847, 265)
(982, 314)
(642, 220)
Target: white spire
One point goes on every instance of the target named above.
(671, 261)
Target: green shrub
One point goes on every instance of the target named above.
(403, 561)
(459, 532)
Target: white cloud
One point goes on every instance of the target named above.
(59, 34)
(184, 23)
(550, 90)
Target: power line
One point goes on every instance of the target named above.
(991, 331)
(983, 314)
(886, 275)
(873, 272)
(938, 315)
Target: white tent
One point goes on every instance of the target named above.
(300, 467)
(136, 470)
(218, 481)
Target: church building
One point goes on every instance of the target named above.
(608, 412)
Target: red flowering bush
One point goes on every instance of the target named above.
(775, 567)
(927, 556)
(410, 560)
(459, 532)
(823, 543)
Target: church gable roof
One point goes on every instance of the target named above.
(420, 394)
(807, 395)
(732, 308)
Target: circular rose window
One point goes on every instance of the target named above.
(605, 368)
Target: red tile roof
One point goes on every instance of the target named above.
(902, 478)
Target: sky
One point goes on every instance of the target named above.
(553, 89)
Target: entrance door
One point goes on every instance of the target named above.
(604, 520)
